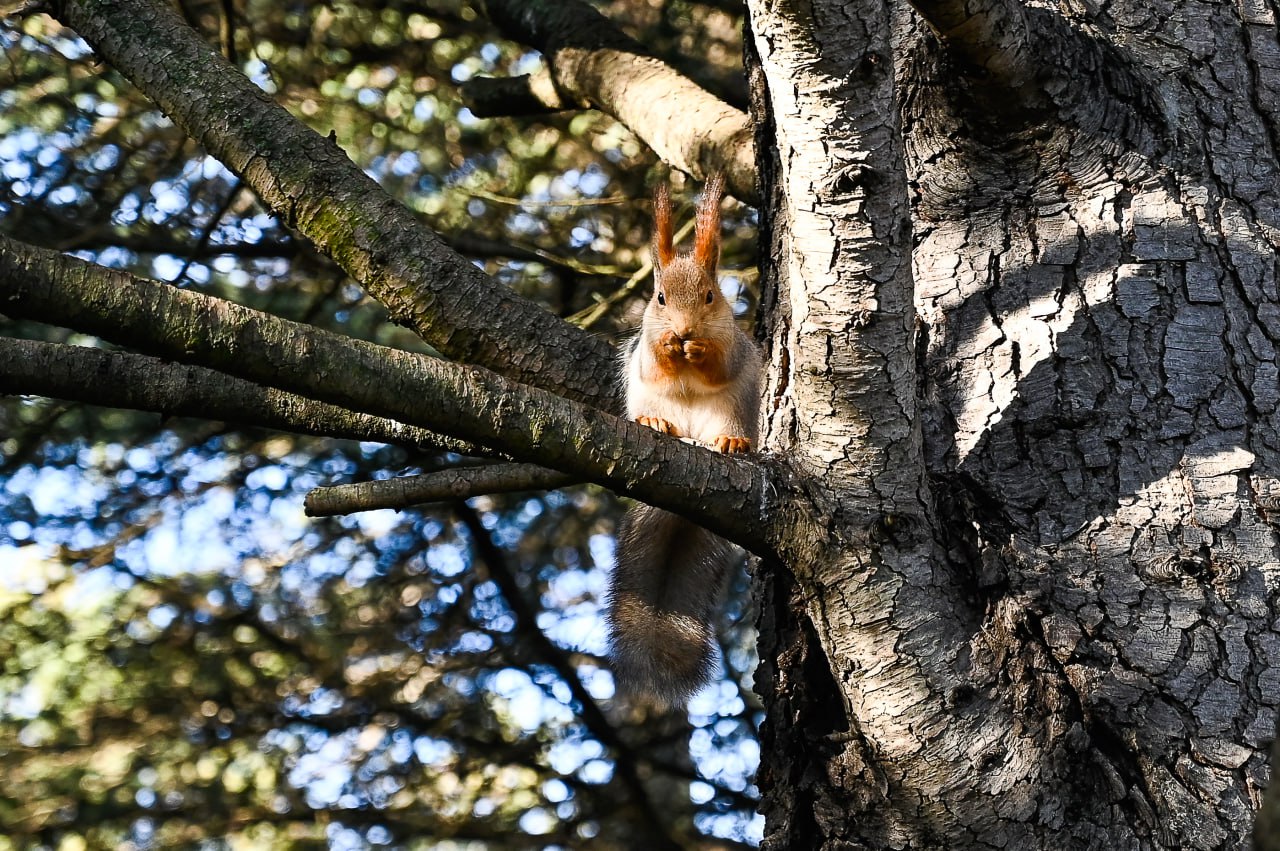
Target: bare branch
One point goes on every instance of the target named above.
(536, 641)
(141, 383)
(164, 243)
(725, 494)
(439, 486)
(527, 94)
(468, 244)
(315, 188)
(593, 64)
(589, 316)
(478, 246)
(207, 233)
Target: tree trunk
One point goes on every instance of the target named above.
(1048, 622)
(1020, 302)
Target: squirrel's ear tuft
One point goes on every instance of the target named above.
(706, 244)
(663, 250)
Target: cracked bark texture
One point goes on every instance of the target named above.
(1065, 639)
(590, 63)
(458, 401)
(314, 187)
(141, 383)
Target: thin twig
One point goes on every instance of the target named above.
(440, 486)
(589, 316)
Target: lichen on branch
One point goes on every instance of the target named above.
(727, 495)
(314, 187)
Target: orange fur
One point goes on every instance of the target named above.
(710, 363)
(706, 244)
(668, 357)
(663, 249)
(658, 424)
(692, 374)
(728, 445)
(701, 357)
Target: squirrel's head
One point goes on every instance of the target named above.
(686, 295)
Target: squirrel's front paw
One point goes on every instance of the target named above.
(725, 443)
(658, 424)
(695, 351)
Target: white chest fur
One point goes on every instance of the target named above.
(693, 408)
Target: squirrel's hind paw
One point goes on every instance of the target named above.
(725, 443)
(658, 424)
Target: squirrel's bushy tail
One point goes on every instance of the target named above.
(662, 596)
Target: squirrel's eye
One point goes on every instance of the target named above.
(710, 296)
(662, 299)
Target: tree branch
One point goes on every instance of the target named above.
(164, 243)
(439, 486)
(464, 243)
(593, 64)
(141, 383)
(727, 495)
(535, 640)
(316, 189)
(21, 8)
(479, 246)
(526, 94)
(207, 233)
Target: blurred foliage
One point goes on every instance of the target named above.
(186, 661)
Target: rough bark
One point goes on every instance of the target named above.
(141, 383)
(590, 63)
(1096, 282)
(440, 486)
(1032, 606)
(887, 615)
(311, 184)
(726, 494)
(1106, 354)
(990, 37)
(1266, 830)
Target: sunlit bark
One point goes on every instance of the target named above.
(1096, 285)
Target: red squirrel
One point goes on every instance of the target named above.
(690, 373)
